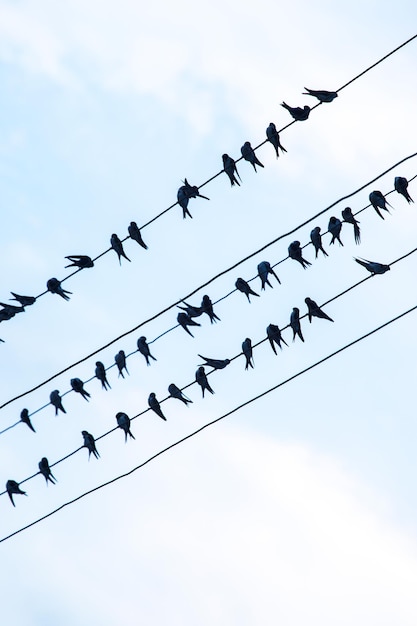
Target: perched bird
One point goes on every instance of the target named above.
(207, 307)
(315, 311)
(24, 417)
(56, 401)
(185, 320)
(201, 379)
(24, 300)
(45, 470)
(321, 94)
(248, 154)
(176, 393)
(6, 314)
(120, 359)
(155, 406)
(78, 386)
(264, 268)
(100, 373)
(273, 137)
(378, 201)
(316, 241)
(90, 444)
(192, 311)
(184, 194)
(244, 287)
(80, 260)
(400, 185)
(229, 166)
(373, 266)
(274, 335)
(334, 228)
(295, 324)
(54, 286)
(247, 352)
(12, 487)
(295, 252)
(11, 309)
(123, 421)
(134, 233)
(298, 113)
(217, 364)
(350, 219)
(117, 246)
(144, 349)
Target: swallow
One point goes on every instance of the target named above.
(400, 185)
(248, 154)
(90, 444)
(11, 309)
(315, 311)
(134, 234)
(295, 324)
(244, 287)
(373, 266)
(274, 335)
(123, 422)
(201, 379)
(378, 201)
(298, 113)
(78, 386)
(45, 470)
(229, 166)
(120, 359)
(56, 401)
(273, 137)
(12, 487)
(321, 94)
(191, 311)
(54, 286)
(6, 314)
(295, 252)
(80, 260)
(100, 373)
(117, 246)
(184, 194)
(217, 364)
(155, 406)
(264, 268)
(176, 393)
(24, 300)
(247, 352)
(334, 228)
(144, 349)
(24, 417)
(185, 320)
(207, 307)
(350, 219)
(316, 241)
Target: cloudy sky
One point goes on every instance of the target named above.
(301, 506)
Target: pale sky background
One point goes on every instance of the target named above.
(301, 507)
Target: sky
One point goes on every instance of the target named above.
(300, 507)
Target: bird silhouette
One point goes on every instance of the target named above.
(56, 401)
(90, 444)
(373, 266)
(264, 268)
(350, 219)
(24, 417)
(123, 422)
(185, 192)
(316, 241)
(144, 349)
(100, 373)
(117, 246)
(295, 324)
(378, 201)
(78, 386)
(298, 113)
(12, 488)
(217, 364)
(79, 260)
(120, 360)
(45, 470)
(321, 94)
(185, 320)
(273, 137)
(201, 379)
(245, 288)
(247, 352)
(229, 166)
(295, 252)
(24, 300)
(54, 286)
(134, 234)
(249, 155)
(175, 392)
(400, 185)
(334, 228)
(315, 311)
(155, 406)
(274, 335)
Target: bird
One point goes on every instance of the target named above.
(201, 379)
(316, 241)
(24, 417)
(378, 201)
(100, 373)
(264, 268)
(244, 287)
(350, 219)
(117, 246)
(207, 307)
(295, 252)
(144, 349)
(185, 192)
(315, 311)
(334, 228)
(24, 300)
(321, 94)
(274, 335)
(56, 401)
(217, 364)
(400, 185)
(12, 487)
(248, 154)
(134, 233)
(229, 166)
(155, 406)
(185, 320)
(10, 310)
(373, 266)
(6, 314)
(78, 386)
(120, 360)
(176, 393)
(247, 352)
(191, 311)
(123, 421)
(298, 113)
(79, 260)
(295, 323)
(54, 286)
(90, 444)
(45, 470)
(273, 137)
